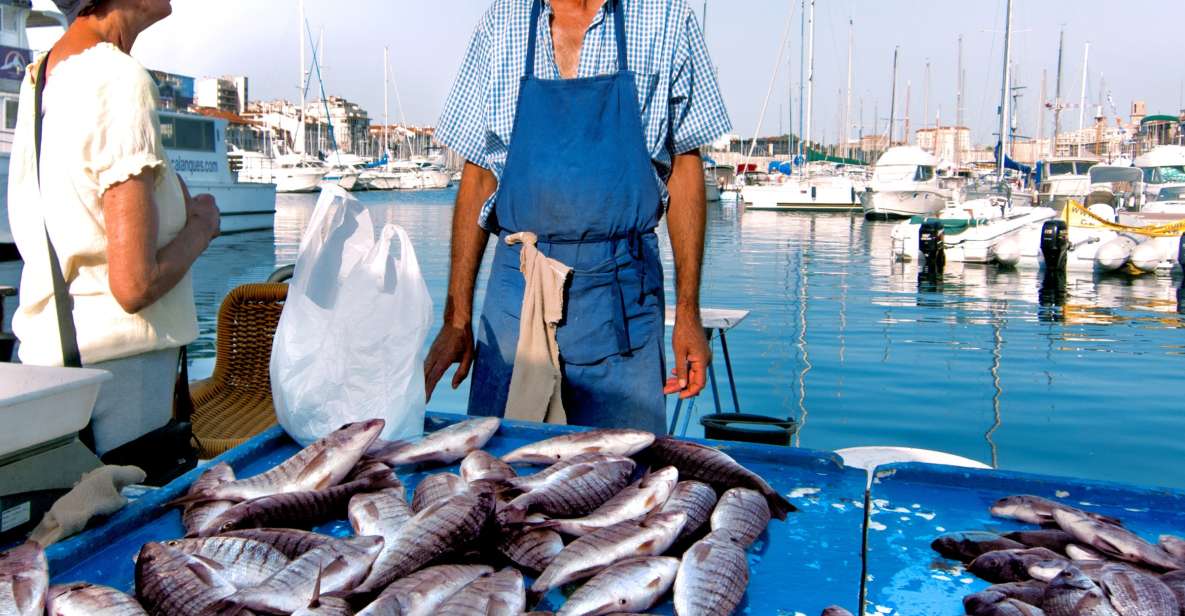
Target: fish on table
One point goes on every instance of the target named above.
(1010, 565)
(742, 515)
(631, 585)
(526, 483)
(598, 550)
(83, 599)
(635, 501)
(479, 465)
(443, 446)
(576, 490)
(1072, 593)
(712, 578)
(1115, 541)
(297, 509)
(1038, 510)
(24, 580)
(245, 562)
(170, 582)
(291, 542)
(435, 488)
(532, 549)
(197, 517)
(717, 468)
(622, 442)
(696, 499)
(423, 592)
(965, 546)
(501, 593)
(1136, 593)
(382, 513)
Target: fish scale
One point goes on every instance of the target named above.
(1175, 581)
(1135, 593)
(170, 582)
(593, 552)
(380, 513)
(742, 514)
(84, 599)
(527, 483)
(289, 541)
(1071, 593)
(715, 467)
(712, 578)
(576, 490)
(24, 580)
(635, 501)
(436, 488)
(532, 549)
(496, 594)
(297, 509)
(197, 517)
(694, 498)
(422, 592)
(246, 562)
(481, 465)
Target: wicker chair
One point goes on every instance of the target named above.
(235, 403)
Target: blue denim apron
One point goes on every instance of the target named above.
(579, 175)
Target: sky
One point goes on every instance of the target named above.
(1135, 54)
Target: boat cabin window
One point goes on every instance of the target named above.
(924, 173)
(8, 19)
(1172, 193)
(10, 112)
(1164, 174)
(187, 134)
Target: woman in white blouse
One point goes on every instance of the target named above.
(125, 229)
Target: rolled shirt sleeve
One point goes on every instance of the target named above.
(462, 126)
(126, 136)
(698, 116)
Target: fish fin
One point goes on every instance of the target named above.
(202, 573)
(473, 441)
(1106, 519)
(191, 499)
(655, 583)
(646, 547)
(778, 505)
(316, 600)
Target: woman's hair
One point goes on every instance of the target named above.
(92, 8)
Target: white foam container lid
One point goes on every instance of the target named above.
(39, 404)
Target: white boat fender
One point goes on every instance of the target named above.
(1055, 244)
(1155, 252)
(1007, 251)
(1114, 254)
(1102, 210)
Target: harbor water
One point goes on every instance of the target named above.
(1077, 379)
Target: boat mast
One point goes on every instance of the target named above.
(810, 76)
(801, 75)
(847, 108)
(1005, 90)
(905, 129)
(1082, 98)
(1057, 94)
(386, 91)
(926, 95)
(893, 97)
(298, 145)
(1041, 107)
(959, 104)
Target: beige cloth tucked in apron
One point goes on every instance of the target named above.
(536, 379)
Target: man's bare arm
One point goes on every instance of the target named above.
(685, 222)
(454, 343)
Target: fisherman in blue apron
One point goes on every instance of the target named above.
(580, 122)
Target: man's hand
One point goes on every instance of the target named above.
(453, 345)
(692, 356)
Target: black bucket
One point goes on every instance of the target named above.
(749, 428)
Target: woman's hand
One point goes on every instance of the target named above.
(202, 211)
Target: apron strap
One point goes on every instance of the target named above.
(533, 33)
(618, 31)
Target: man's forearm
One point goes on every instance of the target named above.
(685, 221)
(468, 244)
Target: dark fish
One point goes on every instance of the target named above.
(443, 446)
(1050, 538)
(197, 517)
(593, 552)
(316, 467)
(290, 542)
(494, 594)
(1038, 510)
(24, 580)
(481, 465)
(717, 468)
(367, 467)
(526, 483)
(712, 578)
(613, 441)
(440, 529)
(1008, 607)
(1071, 593)
(245, 562)
(297, 509)
(421, 593)
(694, 498)
(1175, 581)
(573, 491)
(835, 610)
(1031, 592)
(742, 515)
(1115, 541)
(1173, 545)
(633, 585)
(636, 501)
(530, 549)
(323, 571)
(1135, 593)
(1009, 565)
(967, 545)
(82, 599)
(436, 488)
(170, 582)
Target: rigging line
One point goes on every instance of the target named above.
(399, 106)
(773, 78)
(321, 84)
(987, 74)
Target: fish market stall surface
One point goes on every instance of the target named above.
(810, 561)
(912, 504)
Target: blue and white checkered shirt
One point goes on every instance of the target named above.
(677, 91)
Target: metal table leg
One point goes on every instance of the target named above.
(732, 384)
(712, 375)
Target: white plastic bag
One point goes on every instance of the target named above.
(349, 345)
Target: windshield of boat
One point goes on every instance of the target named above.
(904, 173)
(1070, 167)
(1103, 175)
(1172, 193)
(1164, 174)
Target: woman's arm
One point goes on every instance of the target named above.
(140, 274)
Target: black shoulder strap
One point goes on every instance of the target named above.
(71, 357)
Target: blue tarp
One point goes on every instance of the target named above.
(1012, 164)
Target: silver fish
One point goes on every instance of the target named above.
(613, 441)
(24, 580)
(637, 500)
(443, 446)
(967, 545)
(694, 498)
(1038, 510)
(532, 550)
(170, 582)
(632, 585)
(1071, 593)
(316, 467)
(1175, 580)
(526, 483)
(481, 465)
(367, 467)
(573, 491)
(196, 518)
(1135, 593)
(84, 599)
(245, 562)
(1076, 551)
(742, 514)
(421, 593)
(323, 571)
(289, 541)
(712, 578)
(380, 513)
(1054, 539)
(493, 594)
(592, 553)
(436, 488)
(438, 530)
(1114, 541)
(1173, 545)
(1009, 565)
(835, 610)
(717, 468)
(297, 509)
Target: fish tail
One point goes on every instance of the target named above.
(191, 499)
(778, 505)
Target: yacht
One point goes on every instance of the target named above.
(904, 184)
(821, 187)
(289, 173)
(1064, 178)
(420, 175)
(981, 230)
(1163, 166)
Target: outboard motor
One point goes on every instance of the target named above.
(1055, 244)
(1181, 253)
(932, 246)
(814, 192)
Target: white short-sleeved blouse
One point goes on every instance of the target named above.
(100, 128)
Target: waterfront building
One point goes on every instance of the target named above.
(350, 124)
(406, 141)
(176, 91)
(946, 143)
(224, 93)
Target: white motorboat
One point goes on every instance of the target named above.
(343, 176)
(982, 230)
(1065, 178)
(1163, 222)
(412, 175)
(904, 185)
(822, 187)
(1163, 167)
(290, 173)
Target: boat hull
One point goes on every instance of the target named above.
(896, 204)
(244, 206)
(991, 241)
(803, 196)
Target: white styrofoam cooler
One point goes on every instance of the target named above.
(39, 404)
